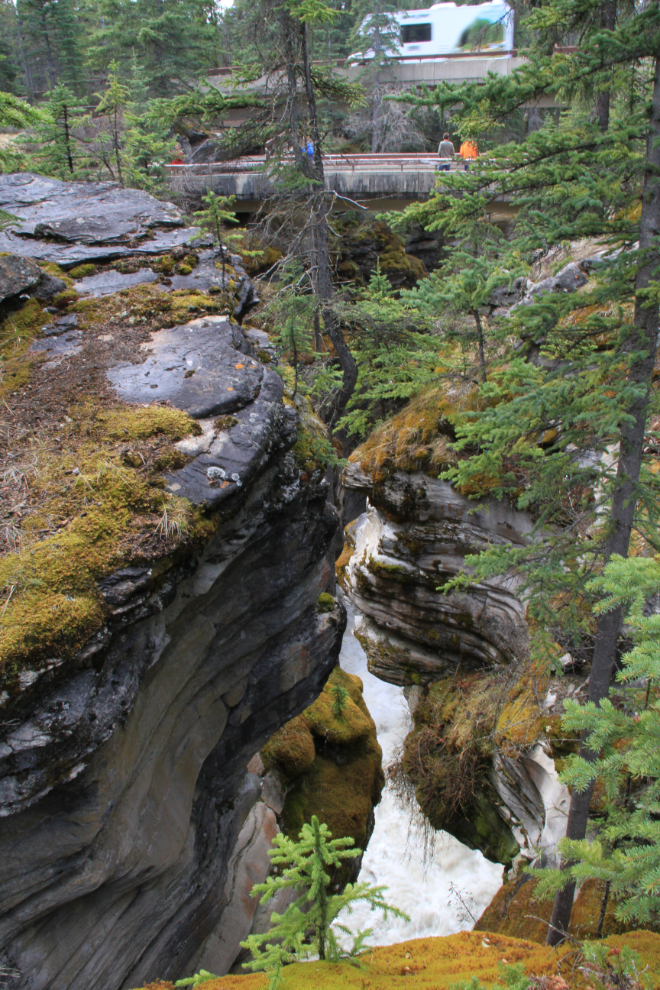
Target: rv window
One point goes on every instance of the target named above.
(411, 33)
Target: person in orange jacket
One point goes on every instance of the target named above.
(468, 153)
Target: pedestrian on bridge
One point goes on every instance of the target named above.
(469, 151)
(446, 150)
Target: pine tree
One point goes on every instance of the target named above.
(309, 925)
(14, 112)
(625, 742)
(112, 104)
(212, 219)
(579, 386)
(51, 146)
(295, 329)
(297, 88)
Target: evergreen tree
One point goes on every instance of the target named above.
(112, 104)
(14, 112)
(51, 146)
(376, 36)
(285, 114)
(309, 926)
(213, 218)
(625, 742)
(173, 40)
(295, 329)
(579, 387)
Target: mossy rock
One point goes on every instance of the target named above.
(17, 331)
(82, 271)
(362, 243)
(166, 264)
(339, 725)
(65, 298)
(332, 763)
(449, 961)
(184, 270)
(56, 604)
(291, 749)
(514, 912)
(325, 603)
(419, 437)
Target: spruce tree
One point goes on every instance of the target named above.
(309, 925)
(625, 742)
(567, 410)
(286, 114)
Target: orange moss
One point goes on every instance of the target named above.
(514, 912)
(417, 438)
(438, 963)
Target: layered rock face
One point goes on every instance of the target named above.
(127, 811)
(413, 537)
(481, 713)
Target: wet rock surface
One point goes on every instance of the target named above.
(415, 536)
(72, 222)
(16, 275)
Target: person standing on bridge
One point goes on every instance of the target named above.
(469, 151)
(446, 150)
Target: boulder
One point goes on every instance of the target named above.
(71, 222)
(569, 279)
(17, 275)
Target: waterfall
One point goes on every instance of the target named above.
(444, 892)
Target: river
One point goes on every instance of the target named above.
(444, 892)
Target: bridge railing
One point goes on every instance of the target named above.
(416, 161)
(340, 63)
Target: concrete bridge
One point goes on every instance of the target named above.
(377, 182)
(409, 71)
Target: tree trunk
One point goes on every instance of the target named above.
(28, 80)
(324, 275)
(375, 115)
(607, 23)
(67, 136)
(643, 339)
(480, 339)
(49, 54)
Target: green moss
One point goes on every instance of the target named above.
(184, 270)
(325, 602)
(50, 268)
(355, 723)
(96, 503)
(291, 749)
(17, 331)
(166, 264)
(65, 298)
(312, 447)
(225, 422)
(82, 271)
(139, 423)
(419, 437)
(343, 782)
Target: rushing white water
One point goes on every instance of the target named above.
(443, 895)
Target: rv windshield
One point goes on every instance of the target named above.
(413, 33)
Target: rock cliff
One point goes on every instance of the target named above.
(481, 756)
(162, 556)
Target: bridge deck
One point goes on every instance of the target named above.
(379, 181)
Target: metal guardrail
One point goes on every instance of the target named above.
(418, 162)
(340, 63)
(227, 70)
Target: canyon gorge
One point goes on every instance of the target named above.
(172, 629)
